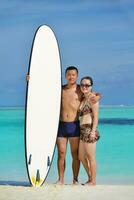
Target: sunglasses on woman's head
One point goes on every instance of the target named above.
(85, 85)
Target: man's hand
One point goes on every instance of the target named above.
(27, 77)
(95, 98)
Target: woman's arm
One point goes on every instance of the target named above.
(95, 110)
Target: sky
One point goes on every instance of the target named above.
(95, 36)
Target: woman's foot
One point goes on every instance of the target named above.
(90, 183)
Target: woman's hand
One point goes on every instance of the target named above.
(93, 136)
(95, 110)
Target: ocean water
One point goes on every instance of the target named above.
(115, 149)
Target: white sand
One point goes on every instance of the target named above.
(68, 192)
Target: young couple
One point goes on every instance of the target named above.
(78, 124)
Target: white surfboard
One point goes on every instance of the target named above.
(42, 104)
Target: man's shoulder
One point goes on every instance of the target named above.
(64, 86)
(78, 88)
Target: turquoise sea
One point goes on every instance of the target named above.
(115, 149)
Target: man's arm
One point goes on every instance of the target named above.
(95, 97)
(98, 95)
(27, 77)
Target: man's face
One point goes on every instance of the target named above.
(71, 76)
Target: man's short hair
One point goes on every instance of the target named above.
(71, 68)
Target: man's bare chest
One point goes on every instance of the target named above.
(70, 97)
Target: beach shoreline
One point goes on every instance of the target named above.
(58, 192)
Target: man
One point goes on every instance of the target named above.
(69, 124)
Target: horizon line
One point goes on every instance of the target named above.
(104, 105)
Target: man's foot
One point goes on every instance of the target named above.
(59, 182)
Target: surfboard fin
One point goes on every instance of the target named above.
(38, 176)
(30, 158)
(48, 161)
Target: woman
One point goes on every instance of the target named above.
(88, 114)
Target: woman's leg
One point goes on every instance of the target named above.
(83, 159)
(90, 150)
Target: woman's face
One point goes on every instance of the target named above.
(85, 86)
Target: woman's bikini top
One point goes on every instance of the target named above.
(85, 109)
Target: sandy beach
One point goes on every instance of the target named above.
(67, 192)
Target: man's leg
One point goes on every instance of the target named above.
(74, 145)
(62, 146)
